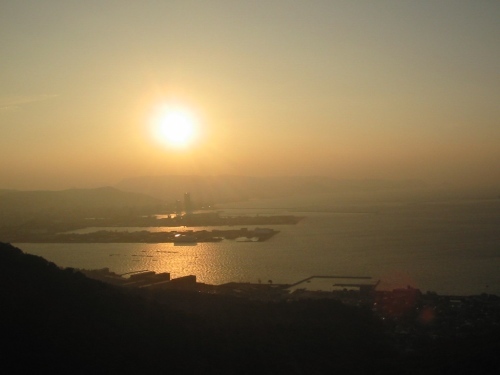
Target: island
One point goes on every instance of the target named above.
(144, 236)
(67, 231)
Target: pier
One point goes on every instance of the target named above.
(363, 283)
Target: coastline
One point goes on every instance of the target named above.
(186, 236)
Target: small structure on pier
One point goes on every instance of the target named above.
(362, 284)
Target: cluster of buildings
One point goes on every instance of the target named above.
(185, 206)
(142, 279)
(408, 314)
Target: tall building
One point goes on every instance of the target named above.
(188, 206)
(178, 207)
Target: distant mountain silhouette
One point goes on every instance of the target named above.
(25, 202)
(226, 188)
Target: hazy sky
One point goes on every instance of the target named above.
(349, 89)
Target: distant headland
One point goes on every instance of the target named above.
(56, 216)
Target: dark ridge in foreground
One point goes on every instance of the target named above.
(59, 320)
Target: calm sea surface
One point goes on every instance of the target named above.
(447, 247)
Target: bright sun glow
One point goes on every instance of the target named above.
(175, 127)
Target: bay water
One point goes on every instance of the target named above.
(450, 247)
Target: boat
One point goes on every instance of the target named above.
(184, 239)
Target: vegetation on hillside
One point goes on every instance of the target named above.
(58, 320)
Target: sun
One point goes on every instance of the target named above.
(175, 127)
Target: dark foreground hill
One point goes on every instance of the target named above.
(56, 320)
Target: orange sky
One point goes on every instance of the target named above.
(386, 89)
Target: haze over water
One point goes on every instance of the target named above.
(448, 247)
(93, 93)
